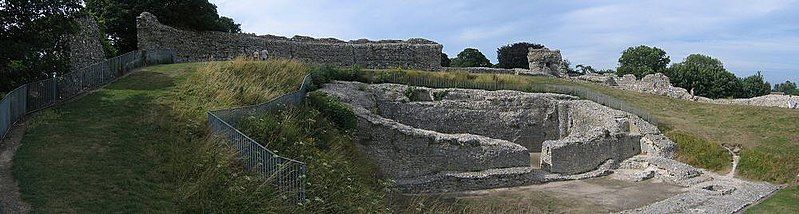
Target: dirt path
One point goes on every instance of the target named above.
(10, 199)
(735, 158)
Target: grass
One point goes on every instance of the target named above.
(141, 144)
(784, 201)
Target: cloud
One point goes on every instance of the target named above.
(747, 36)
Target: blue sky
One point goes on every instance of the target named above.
(748, 36)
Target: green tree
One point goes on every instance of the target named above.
(515, 55)
(32, 39)
(471, 57)
(119, 18)
(706, 76)
(754, 86)
(787, 87)
(642, 60)
(445, 61)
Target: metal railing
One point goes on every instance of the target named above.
(289, 175)
(41, 94)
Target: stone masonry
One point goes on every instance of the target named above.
(404, 134)
(190, 46)
(85, 46)
(546, 61)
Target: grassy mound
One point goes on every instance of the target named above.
(141, 144)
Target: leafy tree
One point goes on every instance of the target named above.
(471, 57)
(787, 87)
(515, 55)
(32, 39)
(642, 60)
(445, 61)
(754, 86)
(119, 18)
(706, 76)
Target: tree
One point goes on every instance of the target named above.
(706, 76)
(445, 61)
(515, 55)
(118, 18)
(471, 57)
(754, 86)
(642, 60)
(32, 39)
(787, 87)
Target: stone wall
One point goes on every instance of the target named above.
(546, 61)
(85, 46)
(420, 131)
(203, 46)
(660, 84)
(402, 151)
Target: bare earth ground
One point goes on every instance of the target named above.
(597, 195)
(10, 200)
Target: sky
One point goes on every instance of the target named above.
(747, 36)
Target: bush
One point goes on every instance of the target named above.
(445, 61)
(706, 76)
(471, 57)
(642, 60)
(334, 110)
(515, 55)
(754, 86)
(787, 87)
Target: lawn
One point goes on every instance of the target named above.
(140, 145)
(785, 201)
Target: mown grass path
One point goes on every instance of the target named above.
(101, 153)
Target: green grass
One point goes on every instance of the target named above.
(141, 144)
(700, 152)
(784, 201)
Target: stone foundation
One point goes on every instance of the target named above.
(416, 134)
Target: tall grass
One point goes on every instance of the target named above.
(210, 179)
(238, 83)
(698, 151)
(339, 179)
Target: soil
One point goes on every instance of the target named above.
(598, 195)
(10, 199)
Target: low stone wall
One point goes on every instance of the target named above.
(660, 84)
(399, 125)
(525, 120)
(85, 46)
(192, 46)
(403, 151)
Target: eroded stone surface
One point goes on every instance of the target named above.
(707, 192)
(573, 136)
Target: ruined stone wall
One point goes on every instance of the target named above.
(85, 46)
(546, 61)
(660, 84)
(525, 120)
(192, 46)
(403, 151)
